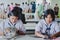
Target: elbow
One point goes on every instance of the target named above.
(20, 33)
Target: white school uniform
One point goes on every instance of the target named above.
(41, 27)
(18, 25)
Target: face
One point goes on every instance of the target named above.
(48, 19)
(13, 19)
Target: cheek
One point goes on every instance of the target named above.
(49, 19)
(12, 20)
(15, 20)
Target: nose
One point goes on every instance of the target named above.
(13, 20)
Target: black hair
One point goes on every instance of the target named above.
(15, 12)
(51, 12)
(56, 4)
(23, 3)
(34, 2)
(12, 14)
(12, 3)
(17, 9)
(8, 5)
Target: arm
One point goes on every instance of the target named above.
(38, 34)
(38, 30)
(57, 33)
(1, 29)
(1, 33)
(21, 30)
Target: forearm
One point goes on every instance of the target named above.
(55, 35)
(39, 34)
(1, 33)
(20, 32)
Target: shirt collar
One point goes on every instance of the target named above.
(10, 22)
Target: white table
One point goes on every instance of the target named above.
(26, 37)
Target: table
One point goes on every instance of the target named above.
(26, 37)
(29, 37)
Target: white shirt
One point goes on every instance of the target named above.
(26, 7)
(18, 25)
(46, 7)
(30, 6)
(2, 8)
(41, 27)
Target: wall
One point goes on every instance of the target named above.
(12, 1)
(53, 2)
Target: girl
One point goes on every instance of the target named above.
(47, 27)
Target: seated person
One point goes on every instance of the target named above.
(21, 15)
(12, 22)
(47, 27)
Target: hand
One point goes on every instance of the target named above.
(45, 36)
(53, 37)
(7, 30)
(1, 34)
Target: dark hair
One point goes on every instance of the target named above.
(34, 2)
(12, 14)
(12, 3)
(51, 12)
(15, 12)
(17, 9)
(23, 3)
(56, 4)
(8, 5)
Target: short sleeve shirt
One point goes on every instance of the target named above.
(19, 25)
(41, 27)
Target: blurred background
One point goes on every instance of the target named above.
(30, 10)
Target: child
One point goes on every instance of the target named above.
(47, 27)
